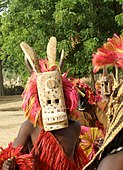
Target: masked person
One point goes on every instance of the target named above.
(48, 139)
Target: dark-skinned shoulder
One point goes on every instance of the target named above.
(24, 134)
(76, 125)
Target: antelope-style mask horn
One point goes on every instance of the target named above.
(30, 55)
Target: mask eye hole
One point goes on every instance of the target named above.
(106, 83)
(48, 101)
(56, 101)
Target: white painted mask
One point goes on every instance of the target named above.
(51, 97)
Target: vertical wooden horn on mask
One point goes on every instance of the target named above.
(30, 58)
(51, 51)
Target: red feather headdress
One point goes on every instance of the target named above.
(111, 53)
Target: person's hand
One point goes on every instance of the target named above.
(9, 164)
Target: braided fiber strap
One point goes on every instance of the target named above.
(115, 122)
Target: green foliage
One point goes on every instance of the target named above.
(80, 27)
(119, 19)
(120, 1)
(25, 21)
(84, 26)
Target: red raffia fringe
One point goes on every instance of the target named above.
(25, 161)
(49, 155)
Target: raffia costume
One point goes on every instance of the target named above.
(111, 53)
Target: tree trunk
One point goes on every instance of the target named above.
(1, 80)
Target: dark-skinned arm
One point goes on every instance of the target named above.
(22, 139)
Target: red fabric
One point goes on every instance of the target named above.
(49, 155)
(24, 161)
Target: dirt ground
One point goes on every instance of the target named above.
(11, 117)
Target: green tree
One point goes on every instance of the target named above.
(28, 21)
(80, 26)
